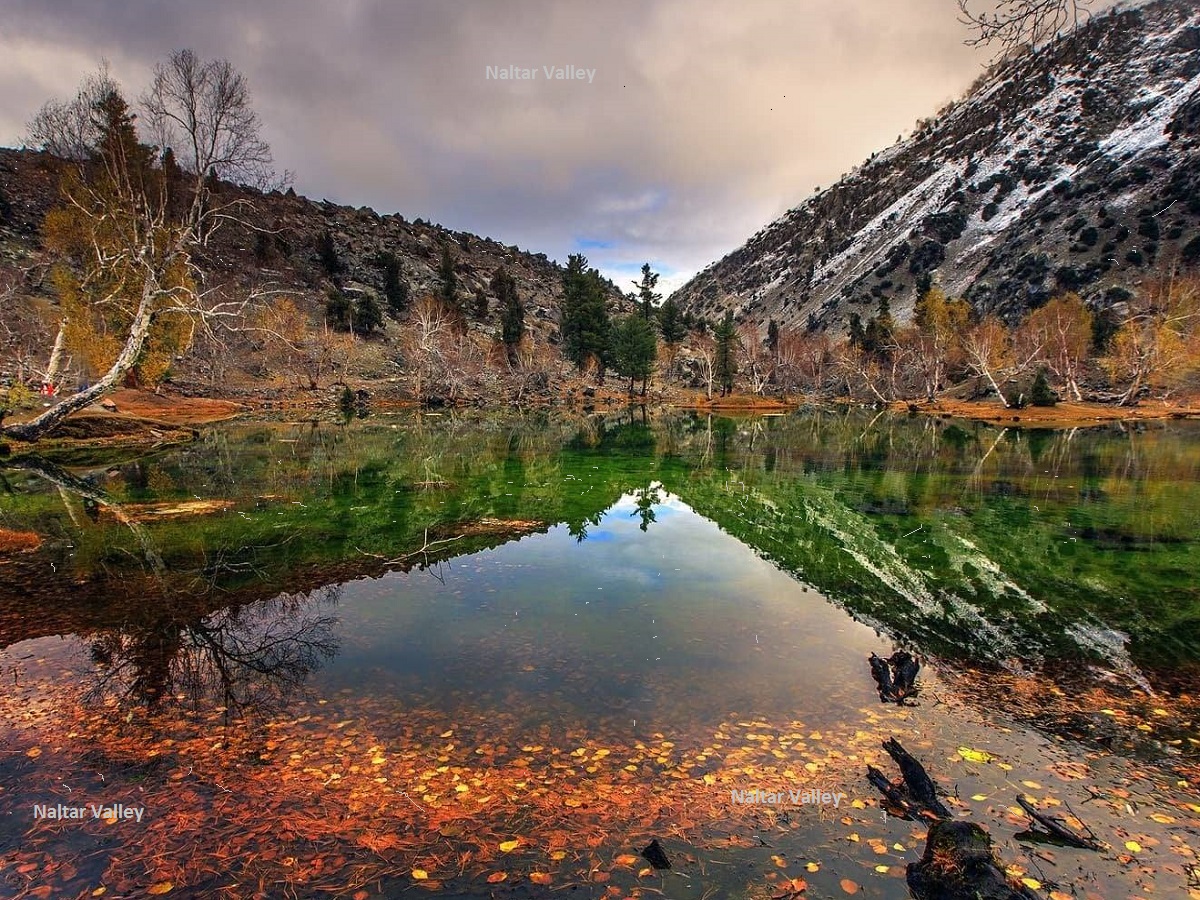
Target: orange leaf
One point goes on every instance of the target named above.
(496, 877)
(625, 859)
(849, 886)
(540, 877)
(361, 895)
(162, 887)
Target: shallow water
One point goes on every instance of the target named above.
(392, 648)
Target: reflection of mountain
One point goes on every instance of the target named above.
(965, 542)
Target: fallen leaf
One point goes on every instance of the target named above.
(976, 756)
(813, 867)
(1133, 846)
(558, 855)
(162, 887)
(420, 874)
(850, 887)
(496, 877)
(509, 846)
(100, 891)
(1161, 819)
(361, 895)
(882, 870)
(1032, 883)
(625, 859)
(540, 877)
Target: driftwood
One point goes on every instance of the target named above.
(895, 677)
(1058, 829)
(958, 864)
(895, 796)
(917, 781)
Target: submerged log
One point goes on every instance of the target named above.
(1058, 829)
(883, 677)
(655, 855)
(958, 864)
(895, 677)
(920, 786)
(895, 795)
(904, 682)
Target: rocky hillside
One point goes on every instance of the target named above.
(1076, 168)
(282, 251)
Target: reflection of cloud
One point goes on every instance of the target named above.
(698, 128)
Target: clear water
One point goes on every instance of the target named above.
(387, 648)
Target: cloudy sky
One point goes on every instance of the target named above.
(702, 122)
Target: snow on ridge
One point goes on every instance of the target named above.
(1150, 129)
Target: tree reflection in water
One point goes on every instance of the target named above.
(250, 660)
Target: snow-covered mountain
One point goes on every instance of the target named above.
(1075, 168)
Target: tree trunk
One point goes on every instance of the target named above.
(55, 364)
(134, 343)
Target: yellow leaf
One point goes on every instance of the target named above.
(509, 846)
(710, 779)
(976, 756)
(461, 788)
(572, 802)
(1032, 784)
(540, 877)
(1133, 846)
(1161, 819)
(813, 867)
(496, 877)
(645, 873)
(978, 797)
(1032, 883)
(779, 861)
(447, 734)
(1005, 766)
(33, 752)
(558, 855)
(600, 754)
(420, 874)
(853, 837)
(162, 887)
(882, 870)
(100, 891)
(378, 760)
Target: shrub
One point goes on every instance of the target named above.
(1041, 394)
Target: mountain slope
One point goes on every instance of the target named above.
(1077, 168)
(280, 248)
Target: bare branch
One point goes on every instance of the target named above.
(1011, 25)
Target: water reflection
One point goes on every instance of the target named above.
(249, 660)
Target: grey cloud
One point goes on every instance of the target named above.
(722, 114)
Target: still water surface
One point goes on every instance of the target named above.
(372, 656)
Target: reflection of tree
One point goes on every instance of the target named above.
(578, 528)
(647, 498)
(248, 659)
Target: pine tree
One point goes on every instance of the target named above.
(338, 309)
(327, 255)
(1041, 393)
(634, 350)
(512, 313)
(481, 304)
(367, 314)
(395, 289)
(585, 327)
(726, 363)
(773, 337)
(448, 278)
(646, 294)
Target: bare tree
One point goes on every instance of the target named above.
(69, 129)
(1012, 24)
(201, 110)
(132, 256)
(758, 362)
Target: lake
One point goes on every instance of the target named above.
(497, 655)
